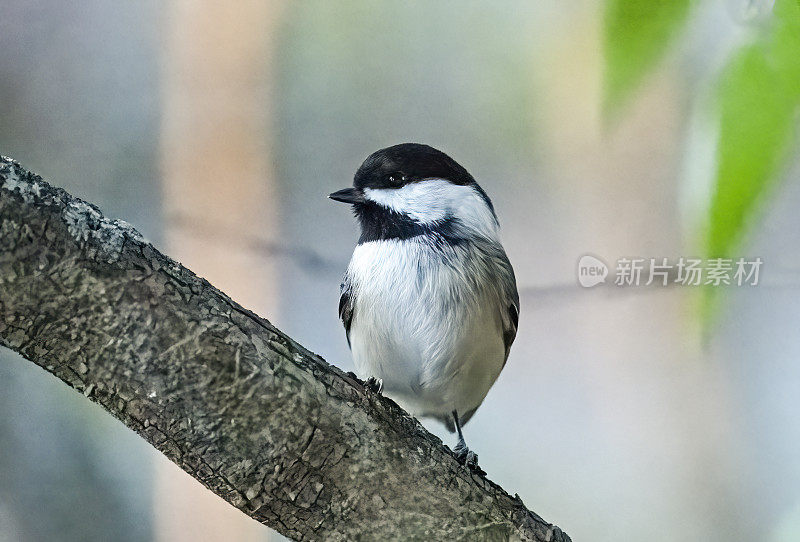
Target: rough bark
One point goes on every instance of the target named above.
(272, 428)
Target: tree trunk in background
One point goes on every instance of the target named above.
(219, 194)
(646, 397)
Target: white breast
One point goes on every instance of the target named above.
(427, 320)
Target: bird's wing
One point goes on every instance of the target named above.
(510, 330)
(511, 302)
(346, 306)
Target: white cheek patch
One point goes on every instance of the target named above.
(421, 201)
(436, 199)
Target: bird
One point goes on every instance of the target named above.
(429, 300)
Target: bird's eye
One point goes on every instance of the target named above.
(396, 179)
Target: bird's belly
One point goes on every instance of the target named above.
(436, 349)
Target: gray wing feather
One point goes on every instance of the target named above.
(346, 306)
(511, 296)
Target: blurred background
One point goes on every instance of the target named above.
(617, 128)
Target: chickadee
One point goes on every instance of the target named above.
(429, 301)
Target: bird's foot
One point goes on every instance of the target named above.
(375, 385)
(467, 457)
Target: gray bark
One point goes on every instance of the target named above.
(288, 439)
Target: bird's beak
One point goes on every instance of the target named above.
(348, 195)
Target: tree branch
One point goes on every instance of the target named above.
(276, 431)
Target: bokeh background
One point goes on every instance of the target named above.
(620, 129)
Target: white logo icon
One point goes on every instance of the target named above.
(591, 271)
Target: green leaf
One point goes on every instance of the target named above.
(636, 34)
(758, 98)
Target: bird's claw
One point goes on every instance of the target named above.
(375, 385)
(467, 457)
